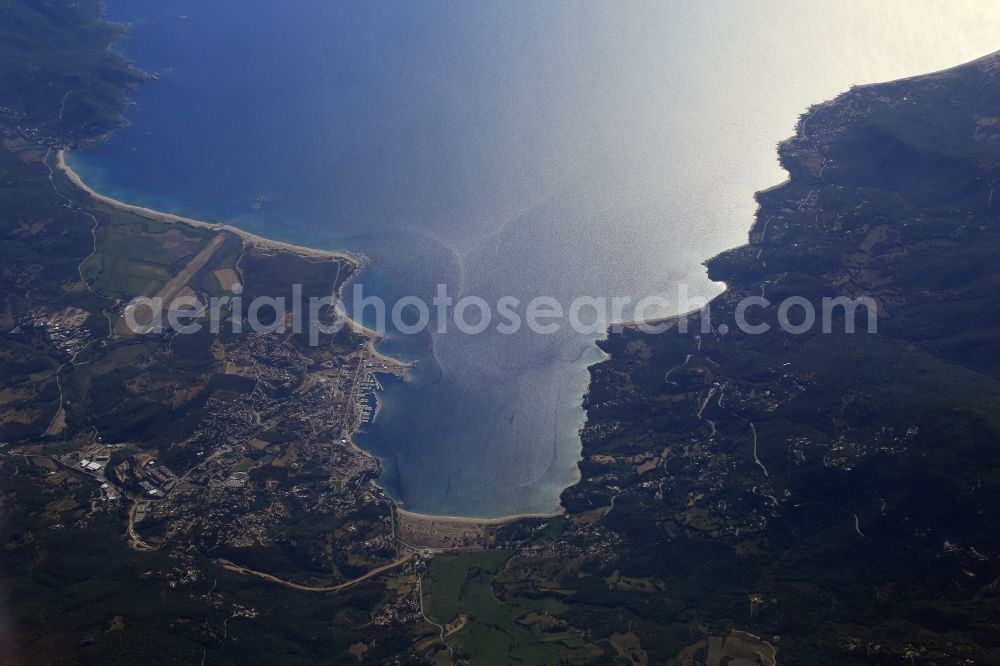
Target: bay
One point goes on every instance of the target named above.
(519, 149)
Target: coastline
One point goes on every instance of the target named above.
(798, 132)
(357, 326)
(254, 240)
(465, 520)
(248, 238)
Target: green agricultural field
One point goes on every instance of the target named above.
(134, 259)
(523, 630)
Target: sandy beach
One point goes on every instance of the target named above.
(461, 520)
(248, 238)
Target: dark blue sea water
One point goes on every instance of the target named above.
(501, 148)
